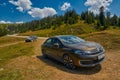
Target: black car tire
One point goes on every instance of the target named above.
(28, 41)
(68, 62)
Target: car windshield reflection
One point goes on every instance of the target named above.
(71, 39)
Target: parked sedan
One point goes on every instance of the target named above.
(73, 51)
(31, 38)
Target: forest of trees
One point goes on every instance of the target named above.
(102, 22)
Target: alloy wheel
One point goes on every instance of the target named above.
(68, 62)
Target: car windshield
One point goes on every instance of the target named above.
(71, 39)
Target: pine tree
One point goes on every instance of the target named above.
(108, 18)
(102, 16)
(102, 20)
(119, 22)
(114, 20)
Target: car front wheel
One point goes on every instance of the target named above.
(68, 62)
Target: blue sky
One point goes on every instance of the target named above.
(27, 10)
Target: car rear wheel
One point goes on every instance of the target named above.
(68, 62)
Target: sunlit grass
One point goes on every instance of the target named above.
(110, 39)
(6, 40)
(75, 29)
(13, 51)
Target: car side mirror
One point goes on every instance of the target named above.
(56, 45)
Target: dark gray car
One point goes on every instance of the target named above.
(73, 51)
(31, 38)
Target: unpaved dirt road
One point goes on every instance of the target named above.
(15, 35)
(36, 67)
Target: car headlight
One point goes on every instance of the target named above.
(87, 52)
(79, 52)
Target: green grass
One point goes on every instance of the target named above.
(13, 51)
(110, 39)
(6, 40)
(75, 29)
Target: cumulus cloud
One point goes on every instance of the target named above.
(5, 22)
(9, 22)
(41, 13)
(96, 4)
(26, 5)
(65, 6)
(20, 22)
(22, 5)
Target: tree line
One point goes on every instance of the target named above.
(102, 22)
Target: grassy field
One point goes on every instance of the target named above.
(110, 39)
(6, 40)
(9, 53)
(24, 61)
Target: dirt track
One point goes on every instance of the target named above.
(25, 36)
(35, 67)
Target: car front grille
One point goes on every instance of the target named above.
(88, 62)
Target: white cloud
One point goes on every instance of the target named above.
(41, 13)
(65, 6)
(20, 22)
(22, 4)
(5, 22)
(9, 22)
(96, 4)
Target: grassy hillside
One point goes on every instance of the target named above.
(24, 61)
(110, 39)
(75, 29)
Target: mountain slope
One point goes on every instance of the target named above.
(75, 29)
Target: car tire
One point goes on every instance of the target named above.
(68, 62)
(27, 40)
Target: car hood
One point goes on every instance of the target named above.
(85, 46)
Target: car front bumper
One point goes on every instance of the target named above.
(90, 60)
(90, 63)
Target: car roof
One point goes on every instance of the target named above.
(58, 36)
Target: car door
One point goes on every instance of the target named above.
(57, 51)
(48, 46)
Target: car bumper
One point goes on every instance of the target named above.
(90, 60)
(90, 63)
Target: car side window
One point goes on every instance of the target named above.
(55, 40)
(49, 41)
